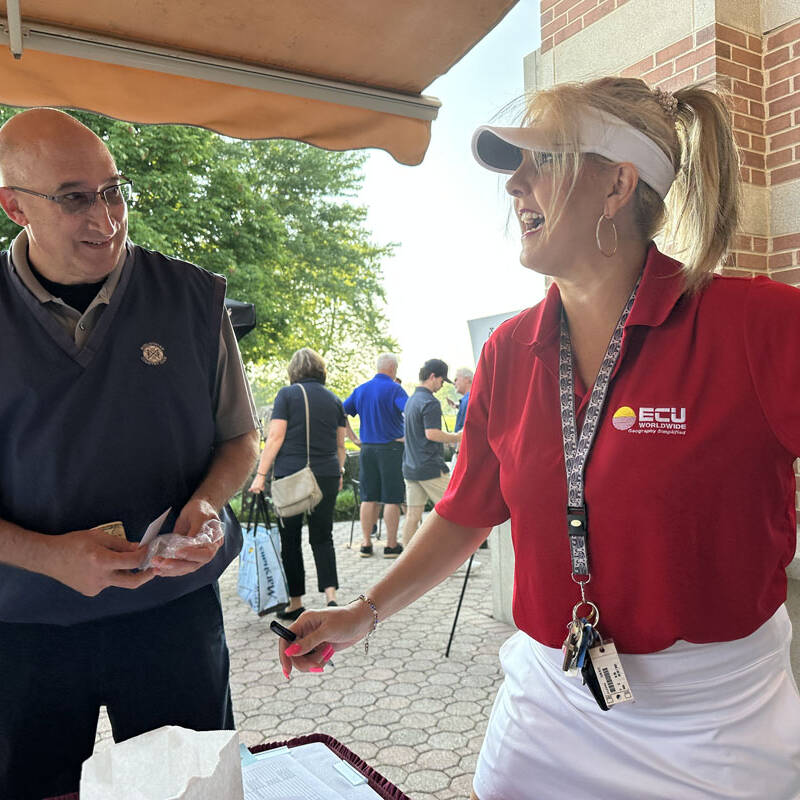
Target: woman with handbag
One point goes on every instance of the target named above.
(306, 432)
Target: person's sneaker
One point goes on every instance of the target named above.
(366, 551)
(392, 552)
(291, 615)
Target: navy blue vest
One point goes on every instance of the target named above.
(103, 433)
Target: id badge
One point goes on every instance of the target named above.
(610, 674)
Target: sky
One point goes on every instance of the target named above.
(457, 256)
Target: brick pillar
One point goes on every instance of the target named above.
(782, 96)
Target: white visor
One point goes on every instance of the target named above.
(499, 149)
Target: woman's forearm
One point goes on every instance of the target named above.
(438, 548)
(268, 454)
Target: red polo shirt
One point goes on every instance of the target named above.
(689, 486)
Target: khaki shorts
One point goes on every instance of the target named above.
(419, 492)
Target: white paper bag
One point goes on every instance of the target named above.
(169, 763)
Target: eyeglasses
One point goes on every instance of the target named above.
(80, 202)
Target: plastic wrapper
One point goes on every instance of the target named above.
(169, 545)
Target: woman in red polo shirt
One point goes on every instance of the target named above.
(639, 427)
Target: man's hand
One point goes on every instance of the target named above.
(89, 561)
(193, 516)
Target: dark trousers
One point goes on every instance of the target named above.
(164, 666)
(320, 528)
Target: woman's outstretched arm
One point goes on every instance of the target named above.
(436, 551)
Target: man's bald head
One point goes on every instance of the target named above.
(46, 155)
(30, 140)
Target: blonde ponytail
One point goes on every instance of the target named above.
(704, 204)
(702, 209)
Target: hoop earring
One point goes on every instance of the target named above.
(597, 235)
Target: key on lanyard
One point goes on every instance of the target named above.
(580, 637)
(580, 634)
(572, 646)
(590, 638)
(590, 681)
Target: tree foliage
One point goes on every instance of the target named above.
(275, 218)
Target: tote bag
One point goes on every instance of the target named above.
(299, 492)
(262, 581)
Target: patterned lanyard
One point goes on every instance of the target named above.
(576, 450)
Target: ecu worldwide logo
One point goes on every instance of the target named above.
(665, 420)
(624, 418)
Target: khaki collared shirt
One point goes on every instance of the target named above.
(234, 409)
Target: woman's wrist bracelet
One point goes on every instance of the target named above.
(374, 611)
(261, 474)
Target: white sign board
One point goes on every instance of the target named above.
(482, 328)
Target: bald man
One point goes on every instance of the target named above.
(123, 395)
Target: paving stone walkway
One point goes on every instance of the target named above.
(414, 715)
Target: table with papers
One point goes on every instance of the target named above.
(313, 767)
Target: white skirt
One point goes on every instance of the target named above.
(710, 721)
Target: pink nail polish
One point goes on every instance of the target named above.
(327, 652)
(286, 674)
(315, 669)
(292, 650)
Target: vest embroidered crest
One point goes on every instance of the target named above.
(153, 354)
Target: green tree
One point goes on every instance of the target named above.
(275, 218)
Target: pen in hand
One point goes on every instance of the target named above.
(285, 633)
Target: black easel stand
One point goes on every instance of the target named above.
(458, 608)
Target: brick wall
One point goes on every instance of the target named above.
(678, 64)
(782, 127)
(733, 60)
(564, 18)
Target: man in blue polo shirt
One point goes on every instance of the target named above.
(379, 404)
(463, 383)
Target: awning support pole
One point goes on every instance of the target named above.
(14, 28)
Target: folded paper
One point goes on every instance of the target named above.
(169, 763)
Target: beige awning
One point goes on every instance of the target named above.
(340, 74)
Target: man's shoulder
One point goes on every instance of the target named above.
(153, 259)
(422, 399)
(380, 384)
(365, 386)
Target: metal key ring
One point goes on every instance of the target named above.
(592, 622)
